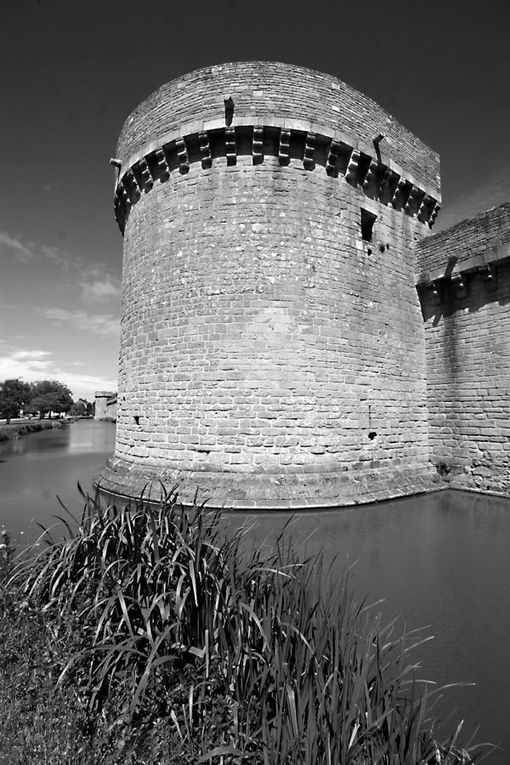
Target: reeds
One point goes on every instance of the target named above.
(221, 655)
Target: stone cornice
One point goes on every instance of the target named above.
(301, 140)
(458, 269)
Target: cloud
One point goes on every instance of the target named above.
(100, 290)
(34, 364)
(29, 364)
(98, 324)
(26, 251)
(96, 283)
(23, 251)
(86, 385)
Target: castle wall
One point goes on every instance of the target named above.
(101, 399)
(270, 356)
(111, 408)
(465, 292)
(261, 89)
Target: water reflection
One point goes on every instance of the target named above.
(41, 466)
(438, 560)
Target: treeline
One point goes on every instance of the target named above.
(40, 398)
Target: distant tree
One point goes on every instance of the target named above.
(14, 394)
(50, 396)
(79, 408)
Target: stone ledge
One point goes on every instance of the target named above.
(456, 267)
(265, 491)
(381, 181)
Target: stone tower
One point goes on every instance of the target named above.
(272, 345)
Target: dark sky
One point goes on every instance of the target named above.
(72, 71)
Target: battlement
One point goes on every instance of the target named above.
(477, 245)
(464, 287)
(262, 91)
(291, 140)
(272, 343)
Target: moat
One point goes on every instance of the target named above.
(439, 560)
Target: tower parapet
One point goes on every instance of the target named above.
(272, 347)
(102, 400)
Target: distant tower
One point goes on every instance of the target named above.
(272, 347)
(101, 398)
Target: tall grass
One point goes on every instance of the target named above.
(194, 650)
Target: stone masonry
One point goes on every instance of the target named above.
(102, 398)
(464, 286)
(272, 343)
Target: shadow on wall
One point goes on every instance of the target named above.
(471, 291)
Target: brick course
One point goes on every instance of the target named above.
(270, 356)
(467, 330)
(259, 88)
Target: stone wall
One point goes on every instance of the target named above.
(271, 355)
(102, 398)
(195, 102)
(111, 408)
(465, 290)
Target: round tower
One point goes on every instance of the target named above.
(272, 347)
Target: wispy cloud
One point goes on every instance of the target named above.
(100, 290)
(93, 279)
(27, 251)
(20, 249)
(99, 324)
(20, 363)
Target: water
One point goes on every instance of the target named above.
(440, 560)
(36, 468)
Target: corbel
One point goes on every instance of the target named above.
(331, 159)
(124, 194)
(284, 147)
(401, 193)
(257, 150)
(434, 214)
(351, 174)
(308, 158)
(458, 282)
(387, 186)
(230, 145)
(145, 174)
(182, 155)
(162, 162)
(117, 210)
(425, 208)
(414, 200)
(488, 275)
(370, 182)
(131, 180)
(205, 150)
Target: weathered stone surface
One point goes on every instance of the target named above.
(270, 357)
(305, 99)
(468, 350)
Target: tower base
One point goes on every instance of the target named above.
(266, 491)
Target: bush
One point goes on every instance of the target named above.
(172, 644)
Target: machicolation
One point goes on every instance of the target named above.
(277, 288)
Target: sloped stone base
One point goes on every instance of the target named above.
(266, 491)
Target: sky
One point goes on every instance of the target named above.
(72, 71)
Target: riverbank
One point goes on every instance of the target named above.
(16, 429)
(174, 644)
